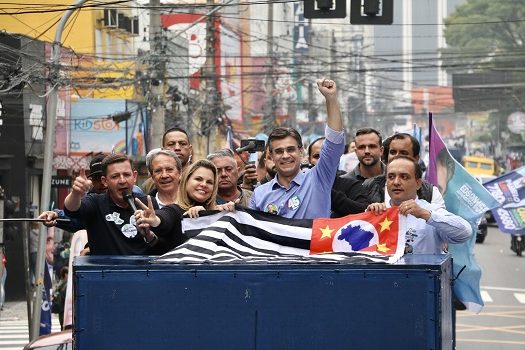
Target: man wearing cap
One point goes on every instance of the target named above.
(95, 174)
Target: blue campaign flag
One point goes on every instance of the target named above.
(229, 138)
(45, 313)
(465, 197)
(509, 190)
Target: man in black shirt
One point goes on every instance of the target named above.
(108, 218)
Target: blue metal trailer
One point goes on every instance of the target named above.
(128, 303)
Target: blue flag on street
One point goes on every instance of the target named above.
(509, 190)
(45, 313)
(229, 138)
(465, 197)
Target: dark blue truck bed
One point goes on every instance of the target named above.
(128, 303)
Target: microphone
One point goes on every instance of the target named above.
(130, 200)
(250, 146)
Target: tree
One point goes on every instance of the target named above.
(485, 35)
(486, 38)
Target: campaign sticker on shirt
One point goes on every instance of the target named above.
(272, 208)
(115, 217)
(294, 203)
(129, 231)
(410, 236)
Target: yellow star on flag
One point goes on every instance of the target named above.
(327, 232)
(385, 225)
(382, 248)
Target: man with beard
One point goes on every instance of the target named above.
(228, 175)
(369, 149)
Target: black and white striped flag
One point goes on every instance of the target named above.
(249, 236)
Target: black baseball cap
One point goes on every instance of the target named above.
(95, 166)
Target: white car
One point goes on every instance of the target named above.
(54, 341)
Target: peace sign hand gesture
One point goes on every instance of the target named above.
(146, 216)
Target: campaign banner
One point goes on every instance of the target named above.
(509, 191)
(467, 198)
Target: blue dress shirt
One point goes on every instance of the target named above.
(308, 195)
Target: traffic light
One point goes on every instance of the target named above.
(325, 9)
(361, 11)
(373, 11)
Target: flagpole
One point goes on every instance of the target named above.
(430, 125)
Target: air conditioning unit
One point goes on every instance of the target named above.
(110, 17)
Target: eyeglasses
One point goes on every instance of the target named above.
(289, 150)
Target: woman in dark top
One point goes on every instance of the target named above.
(197, 192)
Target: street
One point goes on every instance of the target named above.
(501, 324)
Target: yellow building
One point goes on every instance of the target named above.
(102, 37)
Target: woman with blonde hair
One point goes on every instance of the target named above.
(197, 192)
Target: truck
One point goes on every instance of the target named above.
(124, 302)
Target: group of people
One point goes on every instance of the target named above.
(122, 220)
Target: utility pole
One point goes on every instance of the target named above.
(362, 79)
(157, 77)
(332, 56)
(270, 79)
(312, 112)
(213, 108)
(48, 163)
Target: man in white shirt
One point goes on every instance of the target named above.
(429, 226)
(406, 145)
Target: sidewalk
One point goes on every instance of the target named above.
(14, 311)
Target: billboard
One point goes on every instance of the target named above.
(93, 130)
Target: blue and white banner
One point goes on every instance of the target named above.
(465, 197)
(509, 190)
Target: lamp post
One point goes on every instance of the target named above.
(48, 162)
